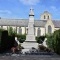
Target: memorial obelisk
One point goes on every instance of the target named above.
(30, 38)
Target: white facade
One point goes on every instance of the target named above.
(42, 26)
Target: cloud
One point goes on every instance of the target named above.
(5, 12)
(30, 2)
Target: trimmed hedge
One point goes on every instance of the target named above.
(7, 42)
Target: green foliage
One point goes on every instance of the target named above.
(21, 38)
(1, 31)
(40, 39)
(0, 34)
(53, 41)
(56, 36)
(50, 41)
(11, 31)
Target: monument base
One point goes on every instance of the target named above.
(30, 38)
(28, 45)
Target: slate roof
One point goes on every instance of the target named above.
(24, 22)
(14, 22)
(56, 23)
(21, 22)
(40, 23)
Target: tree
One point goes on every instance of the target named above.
(53, 41)
(49, 41)
(20, 37)
(56, 40)
(1, 34)
(11, 31)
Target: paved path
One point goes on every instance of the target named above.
(30, 57)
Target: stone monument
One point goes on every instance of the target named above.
(30, 38)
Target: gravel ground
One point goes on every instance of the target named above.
(29, 57)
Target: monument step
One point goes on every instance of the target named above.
(29, 45)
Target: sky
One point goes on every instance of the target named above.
(21, 8)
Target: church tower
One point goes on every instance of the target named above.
(45, 16)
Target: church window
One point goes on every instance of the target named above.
(49, 29)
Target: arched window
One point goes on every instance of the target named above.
(48, 17)
(44, 17)
(49, 29)
(38, 32)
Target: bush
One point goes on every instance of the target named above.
(44, 49)
(40, 39)
(11, 31)
(4, 40)
(0, 35)
(53, 41)
(11, 41)
(50, 41)
(7, 42)
(21, 38)
(56, 40)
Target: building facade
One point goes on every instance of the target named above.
(42, 26)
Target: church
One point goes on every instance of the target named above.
(42, 26)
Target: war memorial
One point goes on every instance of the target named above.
(32, 28)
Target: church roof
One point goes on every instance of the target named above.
(21, 22)
(40, 23)
(24, 22)
(56, 23)
(14, 22)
